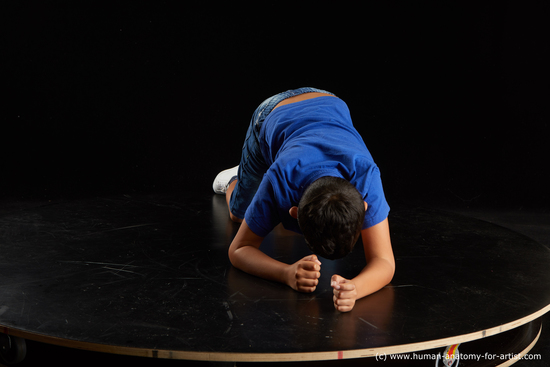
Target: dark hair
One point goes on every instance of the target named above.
(330, 214)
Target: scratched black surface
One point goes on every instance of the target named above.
(152, 272)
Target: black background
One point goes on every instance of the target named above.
(451, 98)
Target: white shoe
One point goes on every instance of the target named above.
(221, 182)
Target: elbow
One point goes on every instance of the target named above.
(391, 271)
(234, 255)
(231, 254)
(390, 277)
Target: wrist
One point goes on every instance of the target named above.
(288, 275)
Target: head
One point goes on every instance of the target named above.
(330, 215)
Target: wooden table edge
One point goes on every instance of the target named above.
(273, 357)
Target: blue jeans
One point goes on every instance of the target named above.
(253, 165)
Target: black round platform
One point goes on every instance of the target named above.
(150, 276)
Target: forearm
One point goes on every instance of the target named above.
(379, 258)
(253, 261)
(375, 275)
(244, 254)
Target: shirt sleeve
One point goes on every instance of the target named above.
(378, 208)
(261, 215)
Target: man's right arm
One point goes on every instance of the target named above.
(245, 254)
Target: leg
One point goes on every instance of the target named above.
(252, 167)
(228, 193)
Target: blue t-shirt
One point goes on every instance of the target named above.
(304, 141)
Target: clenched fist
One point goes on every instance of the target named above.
(303, 275)
(345, 293)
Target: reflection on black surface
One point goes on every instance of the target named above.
(309, 319)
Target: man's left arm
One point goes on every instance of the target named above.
(375, 275)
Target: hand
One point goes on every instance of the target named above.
(303, 275)
(345, 293)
